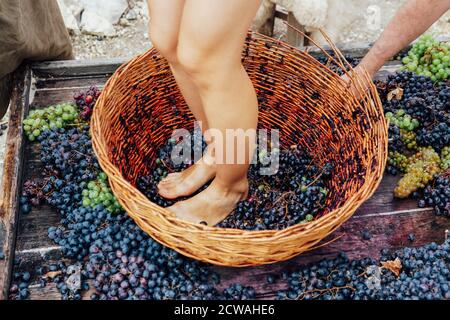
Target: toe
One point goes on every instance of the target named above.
(170, 177)
(168, 193)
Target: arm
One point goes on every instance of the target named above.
(412, 20)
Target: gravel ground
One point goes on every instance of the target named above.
(133, 39)
(130, 41)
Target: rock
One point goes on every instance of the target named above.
(75, 7)
(142, 9)
(131, 15)
(69, 19)
(92, 23)
(74, 281)
(110, 10)
(124, 22)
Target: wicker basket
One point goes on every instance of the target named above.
(309, 103)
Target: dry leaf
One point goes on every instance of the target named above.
(52, 274)
(394, 266)
(396, 94)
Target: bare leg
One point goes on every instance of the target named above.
(164, 32)
(209, 49)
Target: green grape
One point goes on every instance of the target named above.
(398, 160)
(42, 120)
(402, 120)
(445, 158)
(99, 193)
(420, 171)
(428, 57)
(409, 138)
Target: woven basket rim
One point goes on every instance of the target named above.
(341, 213)
(169, 215)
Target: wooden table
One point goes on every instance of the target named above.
(388, 221)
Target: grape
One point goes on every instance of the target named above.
(296, 194)
(86, 102)
(445, 158)
(423, 276)
(430, 58)
(437, 194)
(51, 117)
(398, 160)
(403, 120)
(420, 170)
(98, 192)
(409, 139)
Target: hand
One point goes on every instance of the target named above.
(358, 73)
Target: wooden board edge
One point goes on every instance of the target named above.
(356, 49)
(10, 187)
(69, 68)
(74, 68)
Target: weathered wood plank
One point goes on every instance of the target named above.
(388, 221)
(12, 173)
(356, 49)
(70, 82)
(387, 231)
(77, 67)
(267, 27)
(46, 97)
(295, 38)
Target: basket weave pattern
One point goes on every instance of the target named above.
(141, 106)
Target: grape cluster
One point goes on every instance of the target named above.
(396, 143)
(110, 250)
(68, 152)
(295, 194)
(409, 139)
(416, 95)
(437, 135)
(403, 120)
(86, 102)
(98, 192)
(397, 161)
(437, 194)
(41, 120)
(239, 292)
(429, 57)
(420, 171)
(19, 289)
(445, 158)
(32, 193)
(423, 274)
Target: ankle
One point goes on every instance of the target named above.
(240, 186)
(208, 158)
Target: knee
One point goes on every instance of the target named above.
(193, 60)
(166, 45)
(201, 65)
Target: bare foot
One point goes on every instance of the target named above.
(185, 183)
(212, 205)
